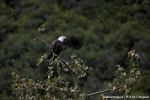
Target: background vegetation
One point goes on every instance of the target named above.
(99, 31)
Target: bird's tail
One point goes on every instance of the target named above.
(51, 58)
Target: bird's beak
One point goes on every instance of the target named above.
(65, 37)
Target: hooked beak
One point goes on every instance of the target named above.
(65, 37)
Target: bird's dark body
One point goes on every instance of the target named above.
(56, 47)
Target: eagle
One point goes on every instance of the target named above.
(55, 48)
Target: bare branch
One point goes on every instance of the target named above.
(51, 60)
(20, 74)
(42, 41)
(74, 74)
(26, 87)
(41, 87)
(100, 92)
(67, 65)
(64, 62)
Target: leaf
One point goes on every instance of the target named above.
(34, 39)
(124, 74)
(41, 59)
(109, 85)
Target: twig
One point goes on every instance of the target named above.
(100, 92)
(41, 86)
(49, 90)
(20, 74)
(74, 74)
(42, 41)
(26, 87)
(51, 60)
(50, 86)
(67, 65)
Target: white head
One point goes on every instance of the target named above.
(61, 38)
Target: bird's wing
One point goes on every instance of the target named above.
(53, 45)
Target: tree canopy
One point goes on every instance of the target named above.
(100, 32)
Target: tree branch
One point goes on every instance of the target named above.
(57, 56)
(42, 41)
(20, 74)
(74, 74)
(100, 92)
(41, 87)
(67, 65)
(51, 60)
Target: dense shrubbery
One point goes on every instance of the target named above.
(102, 33)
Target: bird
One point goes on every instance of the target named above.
(55, 48)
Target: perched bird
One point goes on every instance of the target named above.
(55, 47)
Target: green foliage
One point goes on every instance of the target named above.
(100, 32)
(54, 85)
(41, 59)
(128, 80)
(58, 86)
